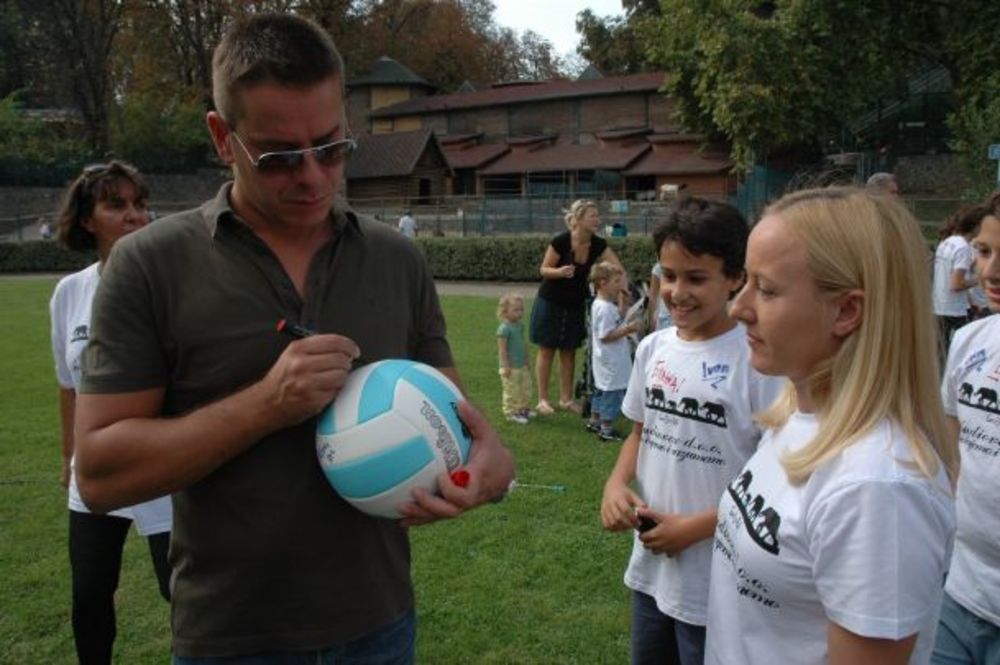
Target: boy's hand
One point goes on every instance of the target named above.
(618, 507)
(675, 532)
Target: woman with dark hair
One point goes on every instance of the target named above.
(104, 203)
(953, 273)
(558, 316)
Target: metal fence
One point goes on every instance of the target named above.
(495, 216)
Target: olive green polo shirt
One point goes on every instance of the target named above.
(265, 555)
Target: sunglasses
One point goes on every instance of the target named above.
(286, 161)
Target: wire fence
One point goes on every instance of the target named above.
(478, 216)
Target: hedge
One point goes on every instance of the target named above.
(490, 259)
(517, 258)
(42, 256)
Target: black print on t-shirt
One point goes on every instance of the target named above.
(982, 398)
(761, 522)
(79, 334)
(712, 413)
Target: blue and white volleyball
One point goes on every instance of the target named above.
(393, 427)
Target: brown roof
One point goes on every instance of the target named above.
(389, 155)
(520, 94)
(658, 163)
(473, 156)
(566, 157)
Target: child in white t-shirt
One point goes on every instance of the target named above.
(833, 542)
(691, 396)
(610, 352)
(969, 630)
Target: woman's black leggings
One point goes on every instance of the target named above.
(95, 554)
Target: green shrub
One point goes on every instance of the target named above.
(35, 153)
(160, 133)
(517, 258)
(41, 256)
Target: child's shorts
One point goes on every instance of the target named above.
(607, 404)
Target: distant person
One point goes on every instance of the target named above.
(953, 274)
(558, 316)
(515, 371)
(408, 225)
(188, 387)
(883, 183)
(610, 351)
(45, 229)
(833, 541)
(103, 204)
(969, 630)
(691, 396)
(657, 311)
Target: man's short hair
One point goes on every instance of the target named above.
(270, 48)
(883, 182)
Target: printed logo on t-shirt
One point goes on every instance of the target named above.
(980, 397)
(707, 411)
(79, 334)
(761, 521)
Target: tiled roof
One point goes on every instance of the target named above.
(566, 157)
(519, 94)
(387, 71)
(658, 163)
(474, 156)
(388, 155)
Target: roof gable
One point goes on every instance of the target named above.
(391, 155)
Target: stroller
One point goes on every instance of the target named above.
(583, 391)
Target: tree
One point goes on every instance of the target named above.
(82, 33)
(613, 43)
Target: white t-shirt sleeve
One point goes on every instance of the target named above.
(57, 318)
(962, 260)
(605, 319)
(880, 550)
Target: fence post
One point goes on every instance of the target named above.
(17, 226)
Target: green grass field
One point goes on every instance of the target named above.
(532, 580)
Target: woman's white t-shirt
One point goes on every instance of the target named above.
(864, 542)
(696, 402)
(69, 310)
(969, 391)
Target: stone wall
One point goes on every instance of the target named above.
(932, 175)
(168, 193)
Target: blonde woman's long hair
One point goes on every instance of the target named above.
(577, 210)
(888, 367)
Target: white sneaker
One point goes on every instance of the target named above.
(518, 418)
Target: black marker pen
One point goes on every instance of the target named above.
(294, 330)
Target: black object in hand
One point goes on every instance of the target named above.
(645, 524)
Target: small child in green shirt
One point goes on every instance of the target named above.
(515, 375)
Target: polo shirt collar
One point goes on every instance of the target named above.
(218, 208)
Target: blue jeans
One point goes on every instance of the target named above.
(392, 644)
(658, 638)
(607, 404)
(963, 638)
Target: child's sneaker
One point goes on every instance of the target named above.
(592, 426)
(518, 418)
(528, 413)
(608, 436)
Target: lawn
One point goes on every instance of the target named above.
(531, 580)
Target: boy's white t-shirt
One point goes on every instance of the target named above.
(864, 542)
(969, 391)
(69, 310)
(695, 401)
(953, 253)
(611, 361)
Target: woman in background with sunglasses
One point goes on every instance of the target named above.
(103, 204)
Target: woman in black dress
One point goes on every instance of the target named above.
(558, 315)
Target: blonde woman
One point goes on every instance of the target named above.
(558, 314)
(833, 541)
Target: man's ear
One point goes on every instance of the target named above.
(219, 130)
(850, 312)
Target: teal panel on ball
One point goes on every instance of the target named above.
(326, 426)
(444, 401)
(381, 470)
(380, 388)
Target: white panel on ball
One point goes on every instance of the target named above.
(392, 428)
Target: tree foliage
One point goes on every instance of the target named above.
(613, 44)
